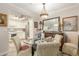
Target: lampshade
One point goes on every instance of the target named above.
(44, 13)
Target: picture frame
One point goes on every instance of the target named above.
(70, 23)
(35, 24)
(51, 24)
(3, 20)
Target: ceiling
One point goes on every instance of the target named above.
(33, 9)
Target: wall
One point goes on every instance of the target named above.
(3, 40)
(73, 11)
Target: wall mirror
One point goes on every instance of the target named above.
(52, 24)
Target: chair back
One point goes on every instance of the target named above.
(72, 37)
(17, 43)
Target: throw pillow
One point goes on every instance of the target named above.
(48, 39)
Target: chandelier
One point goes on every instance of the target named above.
(44, 13)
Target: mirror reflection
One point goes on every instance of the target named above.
(51, 24)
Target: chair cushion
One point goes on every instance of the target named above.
(71, 45)
(70, 48)
(24, 47)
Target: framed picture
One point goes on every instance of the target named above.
(52, 24)
(70, 23)
(3, 19)
(35, 24)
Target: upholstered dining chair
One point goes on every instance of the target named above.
(49, 48)
(22, 50)
(71, 46)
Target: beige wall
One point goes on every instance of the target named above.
(74, 11)
(3, 40)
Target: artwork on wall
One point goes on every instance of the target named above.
(52, 24)
(3, 19)
(35, 24)
(70, 23)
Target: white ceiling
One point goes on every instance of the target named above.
(33, 9)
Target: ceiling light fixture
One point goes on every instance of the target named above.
(44, 13)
